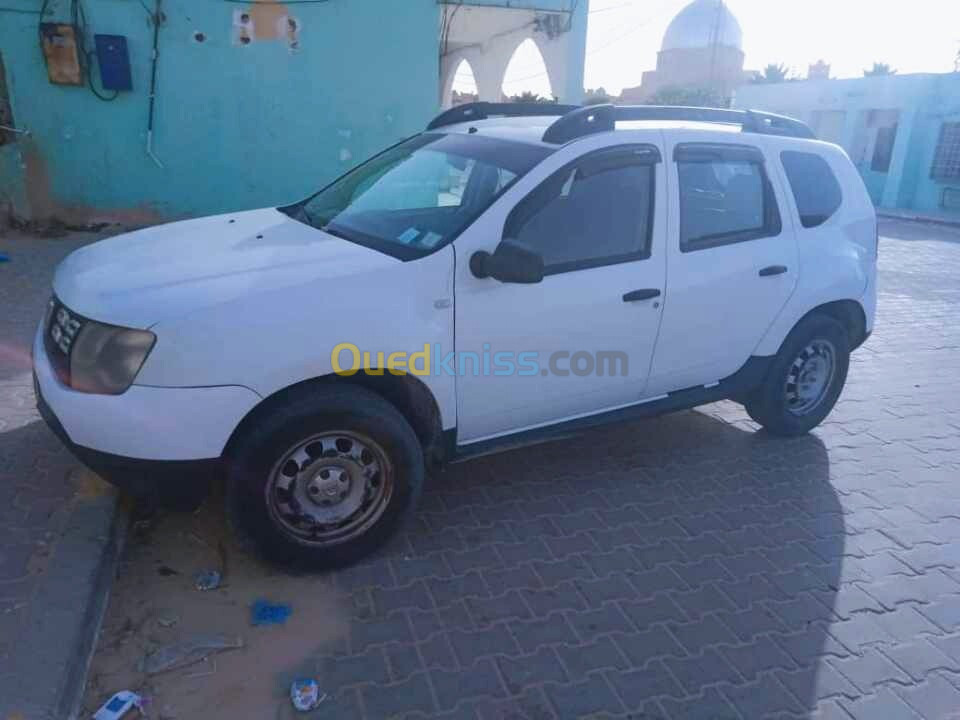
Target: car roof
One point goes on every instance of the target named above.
(531, 129)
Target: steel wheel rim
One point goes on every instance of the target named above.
(810, 377)
(329, 488)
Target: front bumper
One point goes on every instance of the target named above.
(144, 423)
(177, 483)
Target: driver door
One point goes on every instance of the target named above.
(580, 341)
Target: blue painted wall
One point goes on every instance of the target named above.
(237, 126)
(924, 101)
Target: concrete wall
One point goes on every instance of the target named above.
(485, 34)
(923, 103)
(237, 125)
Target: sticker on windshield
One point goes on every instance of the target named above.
(408, 235)
(431, 239)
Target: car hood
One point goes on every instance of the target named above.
(140, 278)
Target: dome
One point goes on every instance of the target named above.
(702, 24)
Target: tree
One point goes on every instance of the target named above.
(879, 69)
(598, 96)
(531, 97)
(688, 97)
(773, 74)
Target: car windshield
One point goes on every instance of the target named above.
(419, 195)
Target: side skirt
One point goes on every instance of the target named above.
(741, 382)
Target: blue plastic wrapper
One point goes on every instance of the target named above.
(305, 694)
(267, 613)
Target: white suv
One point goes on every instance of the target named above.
(511, 274)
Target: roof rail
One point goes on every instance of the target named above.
(600, 118)
(484, 110)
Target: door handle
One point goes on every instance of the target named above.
(645, 294)
(773, 270)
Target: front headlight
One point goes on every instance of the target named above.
(105, 359)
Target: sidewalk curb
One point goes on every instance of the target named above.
(59, 637)
(921, 219)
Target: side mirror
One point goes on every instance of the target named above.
(509, 263)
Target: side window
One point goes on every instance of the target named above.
(815, 187)
(725, 196)
(596, 211)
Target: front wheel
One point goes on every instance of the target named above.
(327, 477)
(805, 380)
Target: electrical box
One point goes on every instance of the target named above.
(114, 61)
(59, 43)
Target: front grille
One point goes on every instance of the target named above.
(59, 334)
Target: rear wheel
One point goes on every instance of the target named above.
(805, 379)
(327, 477)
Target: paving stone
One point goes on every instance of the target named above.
(470, 645)
(764, 697)
(412, 695)
(757, 620)
(695, 636)
(521, 577)
(531, 705)
(637, 687)
(588, 697)
(565, 596)
(698, 603)
(698, 671)
(759, 656)
(414, 595)
(934, 698)
(924, 588)
(453, 686)
(812, 687)
(508, 606)
(590, 624)
(644, 613)
(649, 644)
(579, 660)
(884, 704)
(869, 669)
(392, 628)
(521, 672)
(711, 706)
(920, 658)
(809, 645)
(552, 630)
(945, 613)
(371, 666)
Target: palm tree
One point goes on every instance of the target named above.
(688, 97)
(879, 69)
(773, 74)
(597, 96)
(531, 97)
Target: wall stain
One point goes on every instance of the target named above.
(266, 20)
(43, 207)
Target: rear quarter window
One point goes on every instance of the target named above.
(815, 187)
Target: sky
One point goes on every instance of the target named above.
(623, 38)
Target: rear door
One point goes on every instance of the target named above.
(732, 259)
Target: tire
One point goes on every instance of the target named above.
(818, 347)
(326, 478)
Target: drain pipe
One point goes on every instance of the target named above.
(153, 84)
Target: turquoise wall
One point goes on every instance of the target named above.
(924, 101)
(237, 126)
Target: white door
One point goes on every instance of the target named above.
(581, 340)
(732, 260)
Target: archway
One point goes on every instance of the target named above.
(526, 76)
(464, 87)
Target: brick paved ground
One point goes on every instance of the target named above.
(690, 567)
(681, 568)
